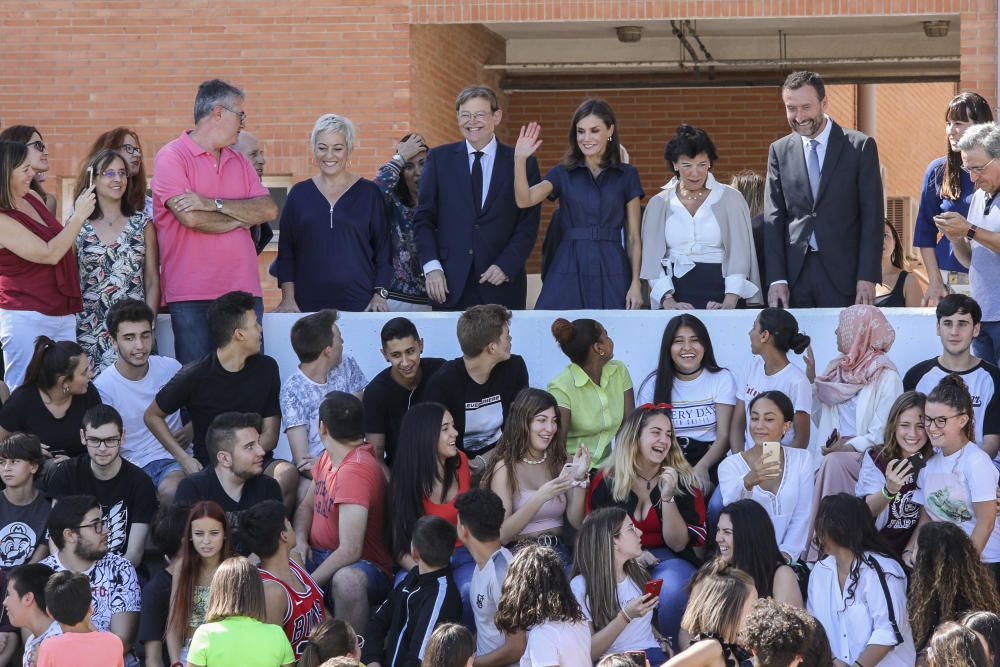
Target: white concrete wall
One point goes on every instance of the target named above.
(636, 336)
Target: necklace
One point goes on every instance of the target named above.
(691, 196)
(648, 480)
(533, 462)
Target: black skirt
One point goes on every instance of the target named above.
(700, 285)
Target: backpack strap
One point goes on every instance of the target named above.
(874, 564)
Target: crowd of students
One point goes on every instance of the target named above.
(559, 527)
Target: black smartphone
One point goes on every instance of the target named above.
(917, 462)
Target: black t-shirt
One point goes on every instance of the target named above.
(207, 390)
(155, 610)
(386, 401)
(205, 485)
(478, 409)
(22, 529)
(127, 498)
(25, 412)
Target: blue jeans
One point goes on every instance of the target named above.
(378, 582)
(715, 505)
(159, 469)
(987, 344)
(677, 574)
(189, 321)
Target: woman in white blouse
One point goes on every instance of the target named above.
(697, 240)
(858, 591)
(783, 488)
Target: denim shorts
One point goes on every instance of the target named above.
(160, 468)
(378, 581)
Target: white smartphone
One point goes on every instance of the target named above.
(90, 177)
(771, 452)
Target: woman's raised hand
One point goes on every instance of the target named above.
(412, 147)
(581, 463)
(528, 141)
(897, 474)
(85, 203)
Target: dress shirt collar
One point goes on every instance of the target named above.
(489, 149)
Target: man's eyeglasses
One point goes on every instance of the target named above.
(97, 525)
(242, 114)
(38, 145)
(465, 116)
(111, 173)
(938, 422)
(107, 443)
(978, 171)
(132, 150)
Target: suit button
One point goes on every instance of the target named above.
(475, 226)
(470, 251)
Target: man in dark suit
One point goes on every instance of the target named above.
(472, 239)
(823, 206)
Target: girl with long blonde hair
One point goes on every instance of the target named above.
(648, 476)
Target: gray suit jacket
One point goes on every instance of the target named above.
(847, 216)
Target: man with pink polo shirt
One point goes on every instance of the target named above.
(206, 197)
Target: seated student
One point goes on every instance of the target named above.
(236, 377)
(391, 393)
(540, 488)
(77, 530)
(398, 631)
(130, 385)
(478, 387)
(775, 332)
(955, 644)
(333, 638)
(702, 395)
(450, 645)
(342, 515)
(126, 494)
(167, 532)
(431, 474)
(986, 624)
(23, 508)
(293, 600)
(594, 391)
(236, 631)
(776, 634)
(25, 605)
(648, 476)
(608, 583)
(480, 517)
(53, 397)
(957, 484)
(323, 368)
(235, 481)
(206, 543)
(958, 320)
(67, 597)
(783, 488)
(858, 591)
(537, 600)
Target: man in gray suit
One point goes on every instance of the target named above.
(823, 206)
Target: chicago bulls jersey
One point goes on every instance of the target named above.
(304, 610)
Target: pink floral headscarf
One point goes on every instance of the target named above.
(867, 336)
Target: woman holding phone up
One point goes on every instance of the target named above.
(614, 591)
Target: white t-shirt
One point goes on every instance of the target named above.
(948, 485)
(558, 643)
(484, 594)
(637, 635)
(790, 380)
(131, 398)
(300, 397)
(694, 401)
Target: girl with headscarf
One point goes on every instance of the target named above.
(852, 399)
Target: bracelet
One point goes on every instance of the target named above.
(582, 483)
(887, 495)
(628, 619)
(479, 457)
(664, 499)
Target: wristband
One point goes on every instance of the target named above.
(628, 619)
(887, 495)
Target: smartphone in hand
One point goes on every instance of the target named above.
(90, 177)
(771, 453)
(917, 462)
(653, 587)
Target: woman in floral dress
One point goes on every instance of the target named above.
(116, 253)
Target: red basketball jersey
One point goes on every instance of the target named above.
(305, 609)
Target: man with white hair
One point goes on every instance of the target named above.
(206, 197)
(976, 240)
(248, 144)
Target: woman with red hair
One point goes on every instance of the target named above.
(206, 543)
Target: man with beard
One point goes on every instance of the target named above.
(131, 384)
(126, 494)
(823, 206)
(77, 530)
(235, 480)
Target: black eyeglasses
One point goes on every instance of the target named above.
(241, 114)
(107, 443)
(939, 422)
(97, 525)
(39, 145)
(132, 150)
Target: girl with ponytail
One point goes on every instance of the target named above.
(959, 482)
